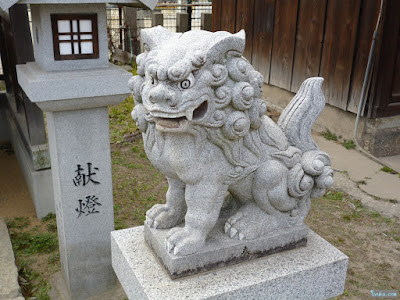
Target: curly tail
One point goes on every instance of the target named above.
(299, 116)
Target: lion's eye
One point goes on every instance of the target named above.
(185, 84)
(153, 80)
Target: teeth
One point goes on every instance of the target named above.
(189, 114)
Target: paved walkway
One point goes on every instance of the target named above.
(363, 179)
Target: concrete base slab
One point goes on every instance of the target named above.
(221, 250)
(317, 271)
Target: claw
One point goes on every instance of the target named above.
(169, 247)
(227, 227)
(233, 232)
(241, 236)
(176, 251)
(155, 224)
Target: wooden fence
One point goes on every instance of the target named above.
(291, 40)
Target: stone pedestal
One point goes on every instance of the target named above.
(317, 271)
(221, 250)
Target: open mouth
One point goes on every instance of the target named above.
(174, 121)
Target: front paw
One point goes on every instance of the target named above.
(161, 216)
(184, 241)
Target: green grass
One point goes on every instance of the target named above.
(388, 170)
(18, 222)
(36, 253)
(333, 195)
(121, 123)
(349, 144)
(330, 136)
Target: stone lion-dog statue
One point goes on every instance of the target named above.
(198, 104)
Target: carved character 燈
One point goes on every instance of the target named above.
(198, 103)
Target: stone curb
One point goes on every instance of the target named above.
(9, 287)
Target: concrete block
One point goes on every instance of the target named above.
(221, 250)
(317, 271)
(9, 287)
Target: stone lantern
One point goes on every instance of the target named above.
(73, 82)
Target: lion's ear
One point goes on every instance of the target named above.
(155, 36)
(226, 42)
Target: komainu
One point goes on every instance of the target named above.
(198, 104)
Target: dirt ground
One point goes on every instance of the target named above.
(15, 200)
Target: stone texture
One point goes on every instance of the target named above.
(84, 211)
(221, 250)
(42, 87)
(198, 103)
(317, 271)
(9, 287)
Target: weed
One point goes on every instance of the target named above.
(139, 215)
(119, 224)
(329, 135)
(39, 243)
(43, 243)
(49, 217)
(388, 170)
(374, 214)
(18, 222)
(33, 284)
(52, 227)
(347, 217)
(349, 144)
(333, 195)
(53, 258)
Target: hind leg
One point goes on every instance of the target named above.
(271, 200)
(270, 188)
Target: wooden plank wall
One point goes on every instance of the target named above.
(291, 40)
(283, 43)
(338, 50)
(309, 39)
(263, 33)
(244, 20)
